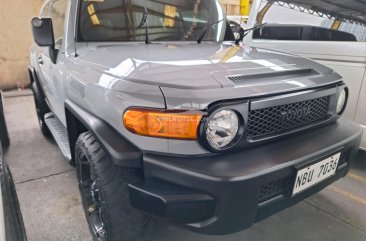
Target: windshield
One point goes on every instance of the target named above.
(177, 20)
(322, 21)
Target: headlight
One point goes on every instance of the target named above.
(342, 100)
(222, 129)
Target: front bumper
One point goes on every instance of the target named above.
(223, 194)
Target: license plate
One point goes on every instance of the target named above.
(311, 175)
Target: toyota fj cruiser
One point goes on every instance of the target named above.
(164, 114)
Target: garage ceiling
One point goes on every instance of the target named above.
(346, 10)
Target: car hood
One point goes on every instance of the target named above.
(192, 69)
(189, 65)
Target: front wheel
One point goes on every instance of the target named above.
(104, 191)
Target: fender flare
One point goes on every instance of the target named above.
(122, 152)
(34, 78)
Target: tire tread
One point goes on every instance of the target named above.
(119, 217)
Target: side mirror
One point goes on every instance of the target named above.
(42, 29)
(43, 32)
(239, 35)
(238, 31)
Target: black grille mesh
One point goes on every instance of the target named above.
(268, 121)
(274, 189)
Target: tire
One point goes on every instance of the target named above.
(104, 191)
(41, 108)
(4, 135)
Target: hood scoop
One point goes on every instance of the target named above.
(273, 76)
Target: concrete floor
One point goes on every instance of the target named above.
(51, 206)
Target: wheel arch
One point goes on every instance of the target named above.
(121, 151)
(33, 77)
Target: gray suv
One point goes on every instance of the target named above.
(165, 115)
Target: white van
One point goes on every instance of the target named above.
(330, 32)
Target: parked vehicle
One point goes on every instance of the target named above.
(11, 221)
(332, 33)
(164, 116)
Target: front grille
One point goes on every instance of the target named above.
(279, 119)
(274, 189)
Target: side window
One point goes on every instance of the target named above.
(57, 13)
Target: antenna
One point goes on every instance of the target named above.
(145, 21)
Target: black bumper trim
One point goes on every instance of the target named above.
(173, 203)
(234, 180)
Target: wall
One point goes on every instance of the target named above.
(15, 39)
(236, 7)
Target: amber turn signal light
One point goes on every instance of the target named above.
(162, 123)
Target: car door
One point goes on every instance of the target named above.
(52, 73)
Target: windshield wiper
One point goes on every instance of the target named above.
(247, 31)
(207, 26)
(145, 21)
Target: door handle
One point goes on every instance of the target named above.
(40, 60)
